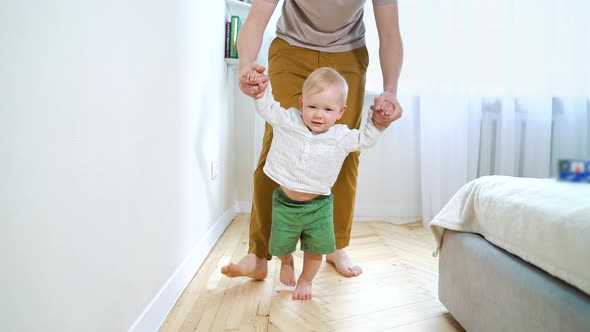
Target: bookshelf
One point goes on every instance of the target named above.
(239, 8)
(232, 62)
(236, 8)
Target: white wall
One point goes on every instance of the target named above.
(111, 113)
(388, 186)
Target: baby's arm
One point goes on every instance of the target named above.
(365, 138)
(270, 110)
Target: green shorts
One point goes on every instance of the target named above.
(311, 221)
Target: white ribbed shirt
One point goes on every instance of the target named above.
(302, 160)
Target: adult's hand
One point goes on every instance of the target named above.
(386, 109)
(253, 82)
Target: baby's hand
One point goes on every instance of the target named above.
(250, 76)
(257, 83)
(388, 112)
(386, 107)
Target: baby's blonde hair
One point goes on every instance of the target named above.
(322, 78)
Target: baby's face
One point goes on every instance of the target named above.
(321, 110)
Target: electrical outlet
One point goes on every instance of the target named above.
(214, 170)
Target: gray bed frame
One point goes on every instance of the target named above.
(488, 289)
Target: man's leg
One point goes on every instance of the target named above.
(344, 198)
(249, 266)
(254, 264)
(353, 66)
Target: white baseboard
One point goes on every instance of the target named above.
(154, 314)
(393, 220)
(244, 206)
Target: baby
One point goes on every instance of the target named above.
(305, 157)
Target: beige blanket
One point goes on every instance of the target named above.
(543, 221)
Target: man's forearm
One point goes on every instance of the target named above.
(250, 38)
(391, 54)
(249, 43)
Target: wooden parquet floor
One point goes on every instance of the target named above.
(396, 292)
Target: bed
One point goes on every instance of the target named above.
(515, 255)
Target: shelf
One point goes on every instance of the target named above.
(239, 8)
(231, 61)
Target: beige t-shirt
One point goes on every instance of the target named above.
(324, 25)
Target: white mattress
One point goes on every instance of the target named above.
(543, 221)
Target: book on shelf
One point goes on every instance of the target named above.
(227, 34)
(231, 38)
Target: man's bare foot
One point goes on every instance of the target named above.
(250, 266)
(343, 263)
(303, 290)
(287, 276)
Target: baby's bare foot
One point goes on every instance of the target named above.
(303, 290)
(287, 276)
(343, 264)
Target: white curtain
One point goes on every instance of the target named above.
(488, 87)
